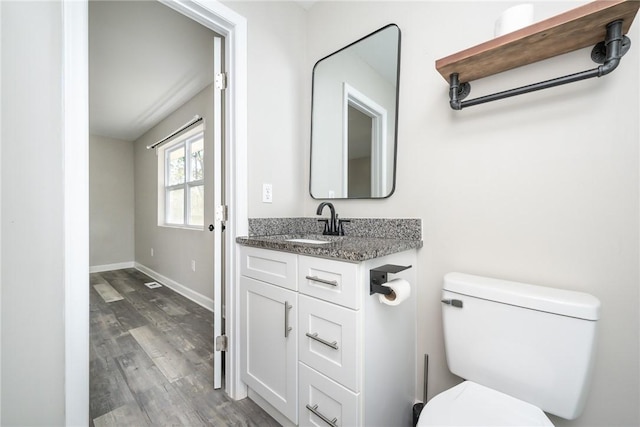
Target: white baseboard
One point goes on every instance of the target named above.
(109, 267)
(194, 296)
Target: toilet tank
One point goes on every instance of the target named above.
(531, 342)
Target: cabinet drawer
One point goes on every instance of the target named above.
(323, 402)
(329, 340)
(333, 281)
(278, 268)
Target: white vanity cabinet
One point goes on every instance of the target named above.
(356, 358)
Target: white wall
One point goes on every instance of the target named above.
(32, 311)
(541, 188)
(175, 248)
(276, 83)
(1, 215)
(111, 201)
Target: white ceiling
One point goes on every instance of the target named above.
(145, 61)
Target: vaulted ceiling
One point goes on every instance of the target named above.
(145, 60)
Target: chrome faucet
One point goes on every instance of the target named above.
(332, 226)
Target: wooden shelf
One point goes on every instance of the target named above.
(578, 28)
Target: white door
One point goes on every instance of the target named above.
(269, 342)
(220, 209)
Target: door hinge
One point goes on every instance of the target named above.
(222, 343)
(221, 81)
(222, 213)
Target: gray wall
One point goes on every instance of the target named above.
(174, 248)
(537, 188)
(111, 201)
(32, 215)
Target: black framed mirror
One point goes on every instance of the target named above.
(354, 118)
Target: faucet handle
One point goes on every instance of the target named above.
(326, 226)
(341, 227)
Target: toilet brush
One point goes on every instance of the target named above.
(417, 408)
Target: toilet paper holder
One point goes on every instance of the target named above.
(378, 276)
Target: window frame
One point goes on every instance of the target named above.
(185, 141)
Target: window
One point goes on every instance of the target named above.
(183, 181)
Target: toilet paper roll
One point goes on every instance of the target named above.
(401, 290)
(513, 19)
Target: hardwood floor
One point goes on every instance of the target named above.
(151, 359)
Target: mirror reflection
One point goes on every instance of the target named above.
(353, 119)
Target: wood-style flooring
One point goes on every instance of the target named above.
(151, 360)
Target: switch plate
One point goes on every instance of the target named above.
(193, 265)
(267, 193)
(151, 251)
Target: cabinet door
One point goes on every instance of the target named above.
(269, 344)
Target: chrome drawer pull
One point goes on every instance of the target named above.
(333, 345)
(287, 328)
(317, 413)
(325, 281)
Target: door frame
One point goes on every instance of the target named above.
(358, 100)
(228, 23)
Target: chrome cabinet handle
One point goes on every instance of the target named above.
(314, 410)
(314, 336)
(325, 281)
(287, 328)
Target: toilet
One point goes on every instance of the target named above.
(521, 349)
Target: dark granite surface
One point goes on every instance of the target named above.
(378, 237)
(381, 228)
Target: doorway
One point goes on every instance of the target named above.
(364, 145)
(150, 68)
(75, 27)
(360, 135)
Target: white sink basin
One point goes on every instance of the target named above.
(310, 241)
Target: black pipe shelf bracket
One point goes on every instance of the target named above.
(378, 277)
(607, 52)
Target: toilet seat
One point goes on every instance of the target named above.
(471, 404)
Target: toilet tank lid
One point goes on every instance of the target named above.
(558, 301)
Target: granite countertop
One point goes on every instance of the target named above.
(345, 248)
